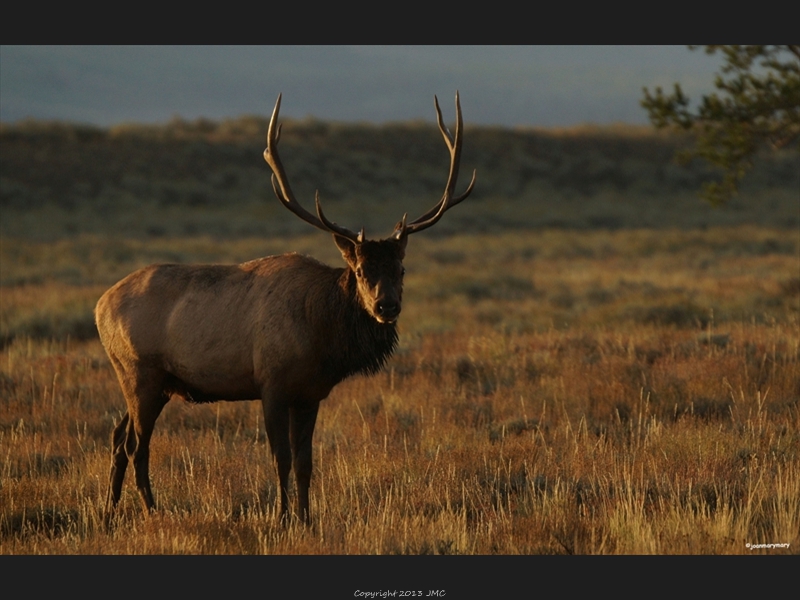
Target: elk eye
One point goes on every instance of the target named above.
(403, 271)
(358, 272)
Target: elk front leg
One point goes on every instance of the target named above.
(303, 419)
(276, 420)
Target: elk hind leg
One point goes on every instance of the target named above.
(119, 463)
(146, 398)
(138, 448)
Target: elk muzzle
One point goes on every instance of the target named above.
(385, 305)
(387, 310)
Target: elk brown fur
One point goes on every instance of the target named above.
(283, 329)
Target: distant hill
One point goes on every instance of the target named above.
(207, 177)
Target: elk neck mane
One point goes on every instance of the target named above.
(369, 343)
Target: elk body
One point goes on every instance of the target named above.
(283, 329)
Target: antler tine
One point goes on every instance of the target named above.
(280, 183)
(337, 229)
(439, 205)
(454, 146)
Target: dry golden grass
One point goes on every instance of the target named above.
(585, 393)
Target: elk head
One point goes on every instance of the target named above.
(376, 265)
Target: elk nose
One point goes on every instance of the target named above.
(388, 309)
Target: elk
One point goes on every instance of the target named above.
(283, 329)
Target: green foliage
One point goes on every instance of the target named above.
(758, 106)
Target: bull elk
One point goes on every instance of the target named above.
(283, 329)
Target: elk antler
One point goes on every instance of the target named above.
(448, 201)
(280, 183)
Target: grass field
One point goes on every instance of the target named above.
(555, 392)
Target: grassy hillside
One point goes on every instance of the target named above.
(209, 178)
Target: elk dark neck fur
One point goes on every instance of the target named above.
(369, 344)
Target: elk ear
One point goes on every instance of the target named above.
(348, 250)
(401, 235)
(402, 241)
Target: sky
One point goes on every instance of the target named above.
(512, 86)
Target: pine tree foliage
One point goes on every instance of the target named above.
(756, 108)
